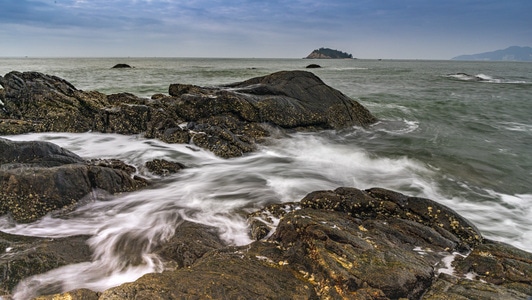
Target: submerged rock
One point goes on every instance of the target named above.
(163, 167)
(122, 66)
(22, 257)
(227, 120)
(313, 66)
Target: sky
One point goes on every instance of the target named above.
(368, 29)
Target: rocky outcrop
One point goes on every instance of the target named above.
(227, 120)
(37, 178)
(341, 244)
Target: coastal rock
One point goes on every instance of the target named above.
(37, 178)
(22, 257)
(295, 99)
(189, 243)
(342, 244)
(227, 120)
(36, 102)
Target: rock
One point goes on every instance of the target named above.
(227, 120)
(22, 256)
(343, 244)
(190, 242)
(37, 178)
(313, 66)
(163, 167)
(81, 294)
(39, 103)
(39, 154)
(121, 66)
(233, 273)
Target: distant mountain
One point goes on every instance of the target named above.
(514, 53)
(328, 53)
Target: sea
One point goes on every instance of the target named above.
(457, 132)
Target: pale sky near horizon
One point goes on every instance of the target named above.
(395, 29)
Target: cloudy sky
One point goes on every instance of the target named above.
(400, 29)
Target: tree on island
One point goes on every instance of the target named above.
(328, 53)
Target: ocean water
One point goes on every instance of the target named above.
(457, 132)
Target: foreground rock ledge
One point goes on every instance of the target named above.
(37, 178)
(227, 120)
(341, 244)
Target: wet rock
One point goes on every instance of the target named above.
(232, 273)
(163, 167)
(40, 103)
(498, 264)
(348, 241)
(37, 178)
(292, 99)
(81, 294)
(228, 120)
(38, 154)
(22, 257)
(313, 66)
(189, 243)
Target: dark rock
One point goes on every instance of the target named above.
(313, 66)
(228, 120)
(292, 99)
(163, 167)
(38, 177)
(190, 242)
(122, 66)
(23, 257)
(39, 103)
(39, 154)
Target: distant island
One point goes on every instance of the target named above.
(514, 53)
(328, 53)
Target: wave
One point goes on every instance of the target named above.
(515, 126)
(483, 78)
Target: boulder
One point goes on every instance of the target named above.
(37, 102)
(292, 99)
(37, 178)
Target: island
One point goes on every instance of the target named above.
(514, 53)
(328, 53)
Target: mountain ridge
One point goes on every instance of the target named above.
(513, 53)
